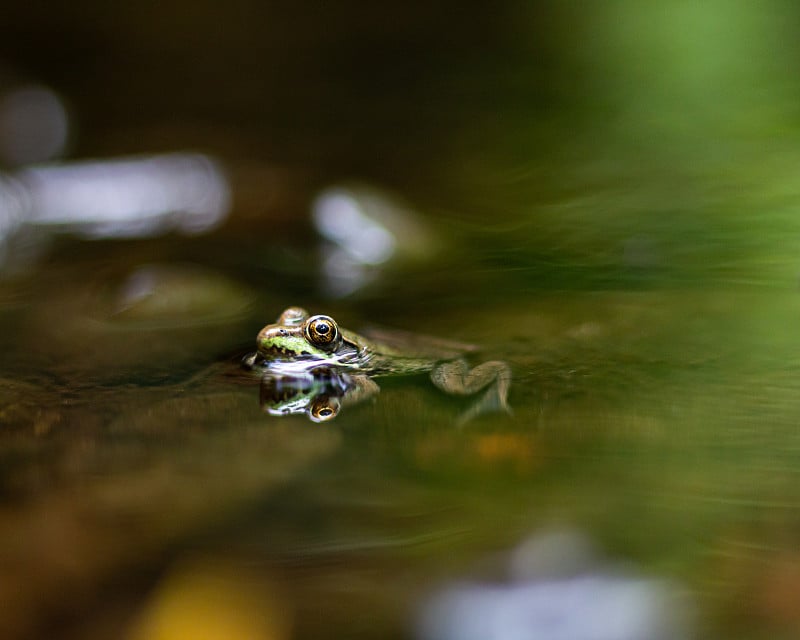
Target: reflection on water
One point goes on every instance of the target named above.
(319, 396)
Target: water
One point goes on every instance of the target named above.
(612, 214)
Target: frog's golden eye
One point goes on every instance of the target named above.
(322, 331)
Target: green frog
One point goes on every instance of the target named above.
(300, 349)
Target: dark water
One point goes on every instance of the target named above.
(610, 203)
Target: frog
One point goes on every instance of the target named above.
(299, 348)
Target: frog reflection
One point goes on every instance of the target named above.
(313, 360)
(319, 395)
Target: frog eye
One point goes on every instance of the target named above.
(322, 331)
(293, 316)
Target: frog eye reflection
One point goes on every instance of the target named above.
(324, 409)
(322, 331)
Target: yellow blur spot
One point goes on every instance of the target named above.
(213, 601)
(499, 448)
(521, 453)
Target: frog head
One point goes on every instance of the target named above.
(298, 335)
